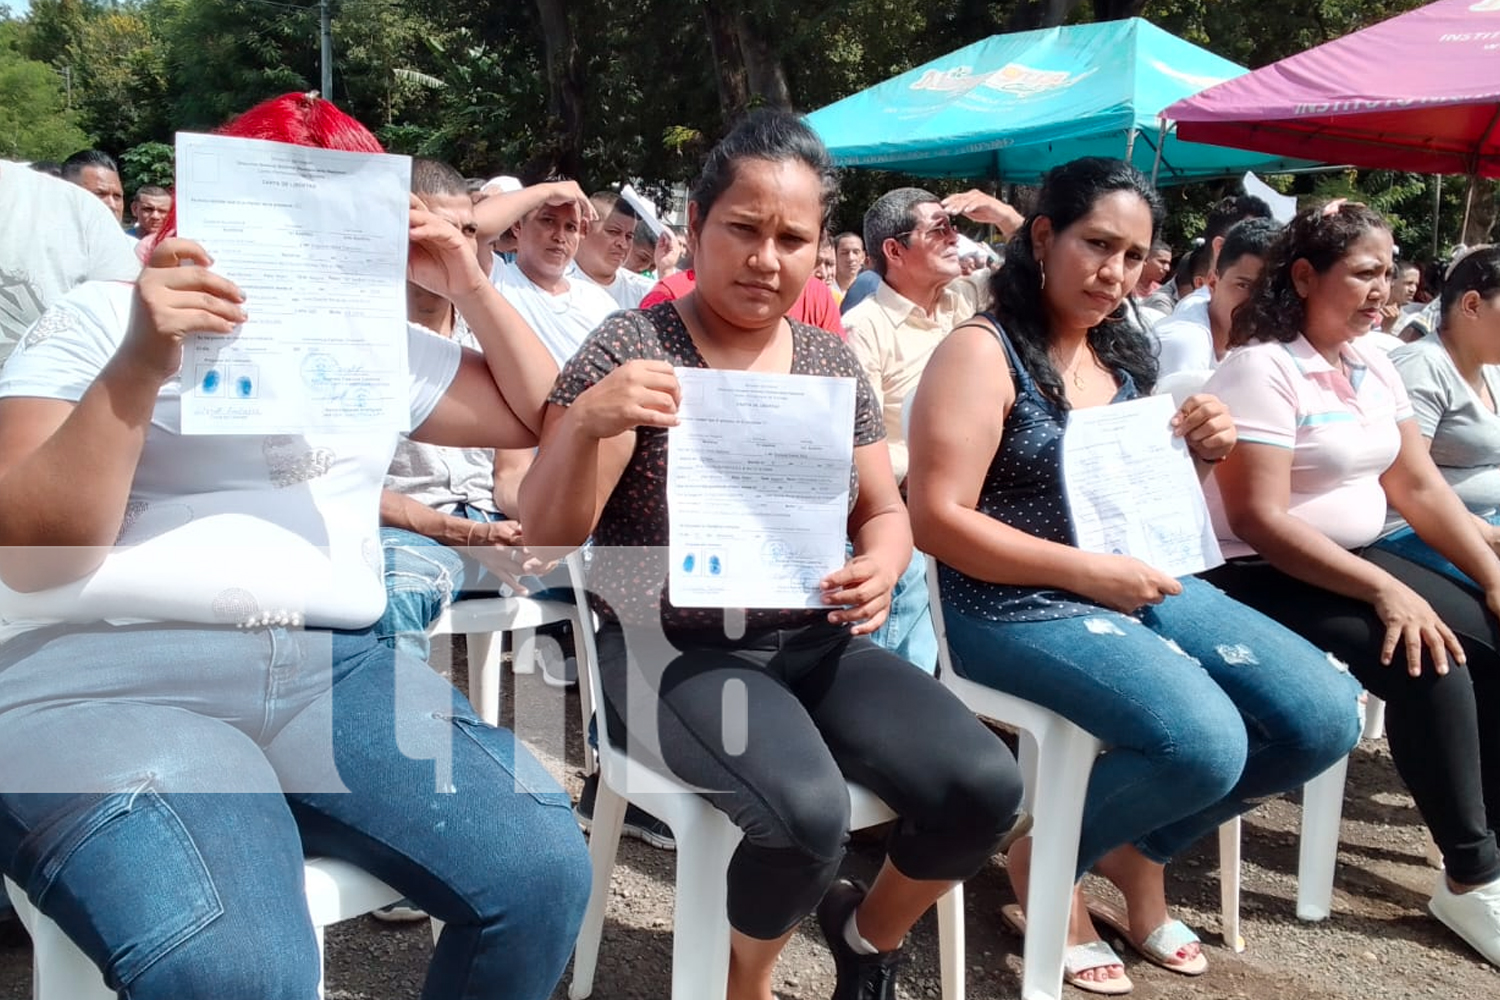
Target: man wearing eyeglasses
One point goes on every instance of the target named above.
(923, 294)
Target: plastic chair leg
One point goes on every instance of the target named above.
(523, 651)
(1229, 884)
(700, 927)
(1065, 759)
(604, 841)
(485, 649)
(950, 918)
(1322, 807)
(1374, 718)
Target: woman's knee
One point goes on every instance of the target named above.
(806, 814)
(1202, 753)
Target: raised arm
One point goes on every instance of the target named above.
(499, 212)
(957, 424)
(47, 444)
(496, 399)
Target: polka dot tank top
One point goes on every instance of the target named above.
(1023, 488)
(628, 568)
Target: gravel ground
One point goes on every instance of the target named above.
(1380, 943)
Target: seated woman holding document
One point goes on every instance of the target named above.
(768, 709)
(196, 619)
(1329, 444)
(1204, 706)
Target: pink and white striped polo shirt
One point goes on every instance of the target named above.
(1342, 432)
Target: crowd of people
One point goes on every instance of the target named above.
(248, 615)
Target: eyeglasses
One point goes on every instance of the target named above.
(942, 229)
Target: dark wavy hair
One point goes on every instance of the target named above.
(1321, 237)
(1069, 193)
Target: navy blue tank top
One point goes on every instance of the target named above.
(1023, 488)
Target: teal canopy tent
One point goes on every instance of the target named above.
(1013, 106)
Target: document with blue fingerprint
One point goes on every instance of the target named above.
(758, 472)
(317, 241)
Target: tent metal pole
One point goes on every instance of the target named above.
(1161, 140)
(1437, 213)
(1463, 232)
(1130, 146)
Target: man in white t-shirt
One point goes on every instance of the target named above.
(561, 310)
(55, 235)
(1195, 337)
(603, 249)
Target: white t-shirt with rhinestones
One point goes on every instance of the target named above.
(219, 529)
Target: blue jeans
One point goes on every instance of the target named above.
(117, 739)
(422, 577)
(908, 630)
(1204, 707)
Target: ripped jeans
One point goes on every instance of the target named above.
(161, 785)
(1204, 706)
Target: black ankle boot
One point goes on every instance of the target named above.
(860, 977)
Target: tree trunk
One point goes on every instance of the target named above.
(763, 68)
(746, 65)
(564, 88)
(1040, 14)
(729, 62)
(1117, 10)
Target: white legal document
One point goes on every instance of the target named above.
(758, 487)
(317, 241)
(1132, 487)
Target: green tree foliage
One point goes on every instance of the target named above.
(35, 123)
(609, 90)
(148, 163)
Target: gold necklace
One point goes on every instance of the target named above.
(1078, 382)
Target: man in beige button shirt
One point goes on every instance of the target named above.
(922, 293)
(922, 296)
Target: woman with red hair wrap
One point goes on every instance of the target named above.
(190, 693)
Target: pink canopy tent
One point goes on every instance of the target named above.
(1419, 92)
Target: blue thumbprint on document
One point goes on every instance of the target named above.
(244, 387)
(689, 562)
(715, 566)
(211, 382)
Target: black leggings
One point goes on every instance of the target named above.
(771, 725)
(1444, 732)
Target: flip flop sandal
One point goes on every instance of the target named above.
(1160, 947)
(1078, 959)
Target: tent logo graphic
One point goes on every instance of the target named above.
(1012, 78)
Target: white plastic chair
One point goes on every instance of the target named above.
(486, 622)
(706, 839)
(336, 891)
(1057, 758)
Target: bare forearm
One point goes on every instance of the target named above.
(1441, 520)
(885, 536)
(400, 511)
(1305, 553)
(979, 546)
(499, 212)
(511, 466)
(559, 496)
(98, 444)
(521, 367)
